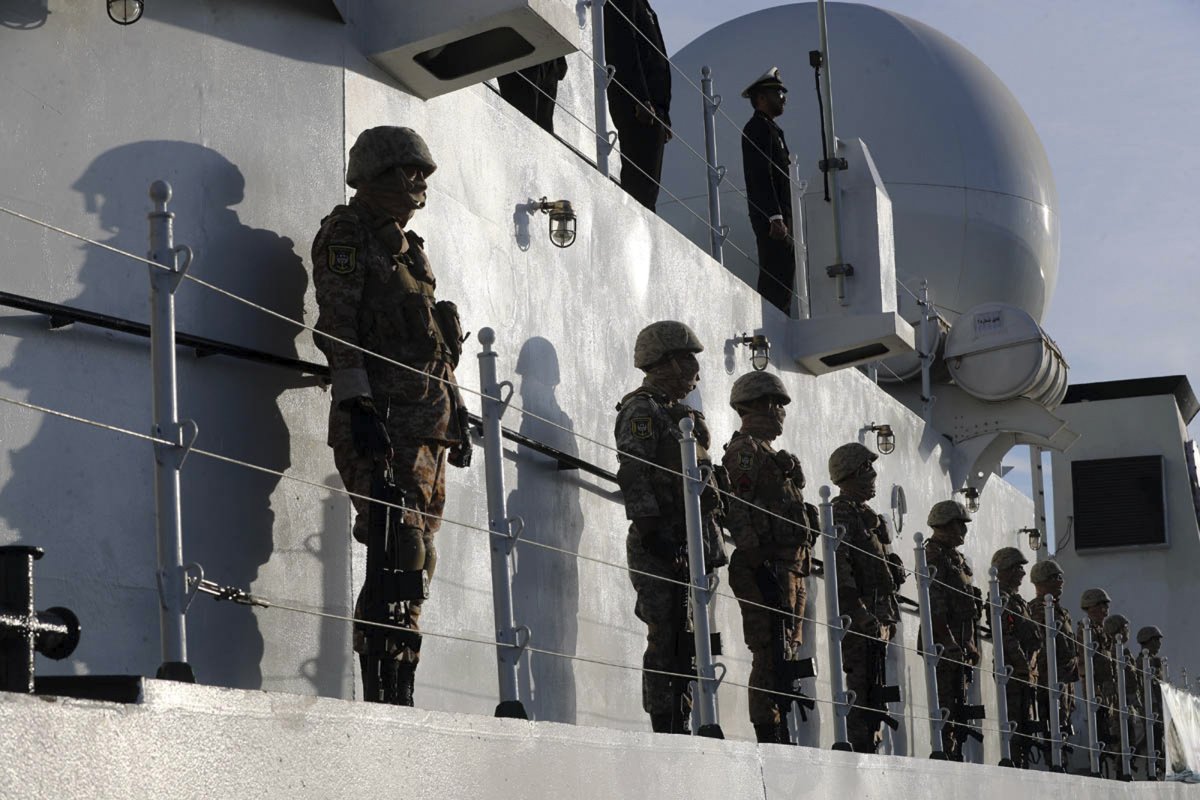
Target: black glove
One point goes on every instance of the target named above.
(899, 573)
(367, 429)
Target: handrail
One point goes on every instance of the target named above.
(61, 316)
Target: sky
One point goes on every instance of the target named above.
(1113, 90)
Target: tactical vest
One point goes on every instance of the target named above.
(963, 610)
(867, 538)
(399, 317)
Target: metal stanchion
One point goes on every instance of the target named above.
(1001, 671)
(1149, 719)
(694, 481)
(1123, 709)
(604, 142)
(717, 232)
(932, 652)
(168, 458)
(1054, 689)
(1089, 699)
(504, 530)
(842, 698)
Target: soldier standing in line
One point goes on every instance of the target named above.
(869, 574)
(1118, 625)
(1150, 638)
(773, 553)
(647, 430)
(955, 607)
(1048, 579)
(375, 289)
(1022, 639)
(766, 164)
(1095, 604)
(639, 96)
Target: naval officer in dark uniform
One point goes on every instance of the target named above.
(768, 188)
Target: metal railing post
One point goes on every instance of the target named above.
(694, 481)
(932, 652)
(843, 698)
(168, 458)
(925, 352)
(504, 530)
(799, 240)
(1054, 689)
(1001, 671)
(716, 173)
(1123, 709)
(1089, 699)
(1149, 719)
(604, 143)
(831, 156)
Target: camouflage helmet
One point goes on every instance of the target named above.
(1091, 597)
(1113, 623)
(1007, 557)
(1044, 571)
(754, 385)
(659, 339)
(945, 512)
(379, 149)
(1147, 633)
(847, 460)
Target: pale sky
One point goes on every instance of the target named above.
(1113, 89)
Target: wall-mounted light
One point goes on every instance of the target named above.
(760, 349)
(562, 221)
(125, 12)
(971, 495)
(1035, 537)
(885, 440)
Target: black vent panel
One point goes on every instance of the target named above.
(1119, 502)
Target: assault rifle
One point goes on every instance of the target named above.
(880, 694)
(788, 670)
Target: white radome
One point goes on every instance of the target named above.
(972, 192)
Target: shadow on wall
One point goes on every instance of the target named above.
(23, 15)
(330, 672)
(103, 526)
(545, 583)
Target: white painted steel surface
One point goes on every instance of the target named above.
(256, 164)
(998, 352)
(192, 741)
(972, 192)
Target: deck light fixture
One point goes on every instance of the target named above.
(125, 12)
(562, 221)
(760, 349)
(1035, 537)
(971, 495)
(885, 440)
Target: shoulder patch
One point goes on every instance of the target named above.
(642, 427)
(745, 460)
(342, 259)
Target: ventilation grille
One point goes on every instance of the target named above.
(1119, 502)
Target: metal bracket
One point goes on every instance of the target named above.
(714, 580)
(832, 164)
(716, 101)
(182, 438)
(193, 575)
(177, 273)
(839, 533)
(521, 645)
(506, 399)
(610, 72)
(719, 173)
(516, 527)
(717, 665)
(839, 270)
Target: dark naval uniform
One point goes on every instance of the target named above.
(648, 427)
(765, 161)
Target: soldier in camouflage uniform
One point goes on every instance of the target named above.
(773, 553)
(1022, 639)
(647, 430)
(1150, 638)
(375, 290)
(869, 574)
(955, 605)
(1095, 604)
(1048, 579)
(1118, 625)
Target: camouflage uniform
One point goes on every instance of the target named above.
(1104, 663)
(1066, 657)
(769, 551)
(1144, 637)
(953, 599)
(868, 579)
(1022, 638)
(648, 427)
(375, 289)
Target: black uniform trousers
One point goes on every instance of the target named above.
(641, 148)
(777, 266)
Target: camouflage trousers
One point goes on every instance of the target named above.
(661, 606)
(860, 655)
(1021, 708)
(952, 689)
(419, 469)
(759, 629)
(1065, 709)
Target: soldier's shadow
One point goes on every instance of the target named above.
(228, 519)
(546, 583)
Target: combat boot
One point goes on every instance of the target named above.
(406, 676)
